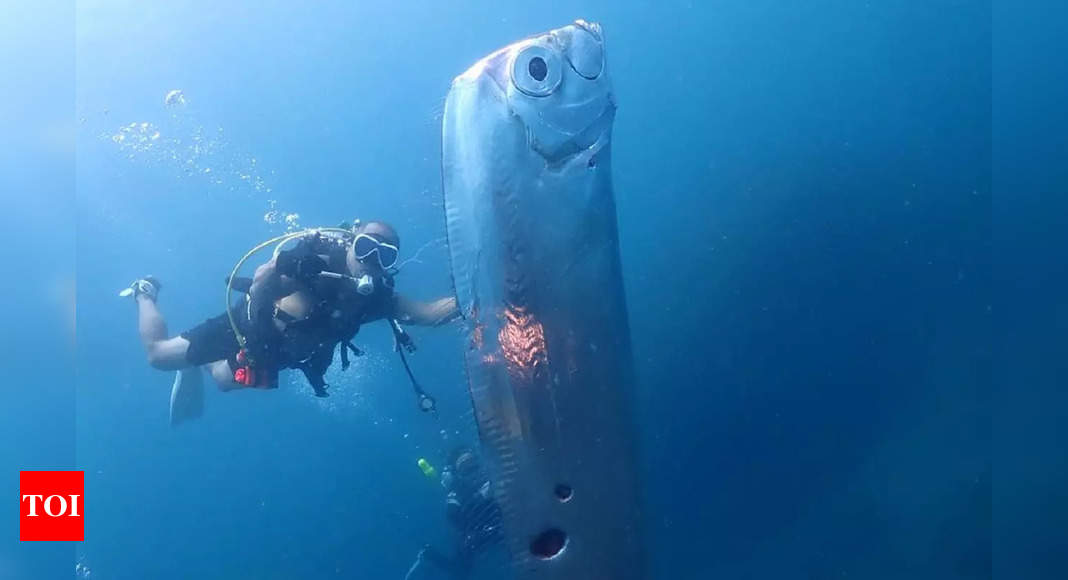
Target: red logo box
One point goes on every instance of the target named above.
(52, 506)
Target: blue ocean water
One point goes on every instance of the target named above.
(804, 195)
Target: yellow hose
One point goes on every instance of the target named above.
(233, 273)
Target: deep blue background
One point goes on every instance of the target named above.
(805, 210)
(37, 406)
(1030, 132)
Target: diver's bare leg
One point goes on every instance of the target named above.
(224, 377)
(164, 353)
(150, 323)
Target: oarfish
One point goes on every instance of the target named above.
(534, 251)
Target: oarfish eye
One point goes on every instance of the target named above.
(536, 71)
(585, 53)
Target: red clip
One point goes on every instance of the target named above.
(244, 376)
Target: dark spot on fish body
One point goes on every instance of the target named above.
(563, 492)
(591, 163)
(549, 544)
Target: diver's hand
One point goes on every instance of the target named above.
(299, 267)
(286, 264)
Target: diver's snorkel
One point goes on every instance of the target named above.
(365, 285)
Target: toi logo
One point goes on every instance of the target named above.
(51, 506)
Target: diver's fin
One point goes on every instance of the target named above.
(187, 395)
(241, 284)
(148, 286)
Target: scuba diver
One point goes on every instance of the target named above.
(298, 307)
(471, 511)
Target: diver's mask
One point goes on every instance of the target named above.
(466, 465)
(362, 247)
(365, 244)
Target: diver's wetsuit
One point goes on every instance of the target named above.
(214, 339)
(306, 344)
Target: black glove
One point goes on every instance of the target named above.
(300, 267)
